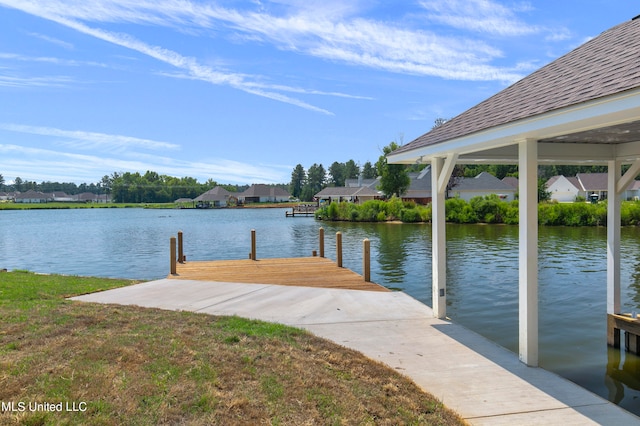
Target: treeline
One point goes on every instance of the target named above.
(488, 209)
(70, 188)
(128, 187)
(152, 187)
(306, 183)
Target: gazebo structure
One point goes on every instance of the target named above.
(583, 108)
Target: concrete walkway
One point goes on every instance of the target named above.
(483, 382)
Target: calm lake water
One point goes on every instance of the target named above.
(482, 263)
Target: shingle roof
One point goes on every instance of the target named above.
(592, 181)
(484, 181)
(603, 66)
(262, 190)
(216, 194)
(511, 181)
(355, 183)
(345, 191)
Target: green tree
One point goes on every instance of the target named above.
(337, 173)
(351, 170)
(368, 171)
(543, 194)
(394, 179)
(316, 179)
(298, 177)
(1, 182)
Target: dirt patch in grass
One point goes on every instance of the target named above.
(129, 365)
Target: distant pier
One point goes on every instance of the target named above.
(302, 210)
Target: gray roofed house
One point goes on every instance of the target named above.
(215, 197)
(261, 193)
(566, 189)
(33, 197)
(420, 187)
(593, 183)
(482, 185)
(350, 194)
(356, 183)
(511, 181)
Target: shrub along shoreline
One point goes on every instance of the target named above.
(488, 209)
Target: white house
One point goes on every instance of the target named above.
(563, 189)
(33, 197)
(357, 194)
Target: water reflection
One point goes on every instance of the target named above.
(623, 373)
(482, 270)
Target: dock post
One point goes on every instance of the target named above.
(253, 244)
(339, 249)
(321, 238)
(180, 249)
(172, 250)
(366, 259)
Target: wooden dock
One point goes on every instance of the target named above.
(302, 271)
(305, 210)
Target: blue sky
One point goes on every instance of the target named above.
(242, 91)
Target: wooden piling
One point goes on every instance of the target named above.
(321, 241)
(366, 259)
(180, 248)
(253, 244)
(339, 249)
(172, 251)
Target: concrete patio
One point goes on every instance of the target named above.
(483, 382)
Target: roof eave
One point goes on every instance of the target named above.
(616, 109)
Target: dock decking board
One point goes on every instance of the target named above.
(303, 271)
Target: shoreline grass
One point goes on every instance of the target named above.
(72, 205)
(129, 365)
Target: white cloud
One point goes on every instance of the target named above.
(90, 140)
(325, 30)
(49, 59)
(53, 40)
(21, 81)
(485, 16)
(61, 166)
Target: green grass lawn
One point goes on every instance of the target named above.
(111, 364)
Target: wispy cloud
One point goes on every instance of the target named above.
(52, 40)
(66, 14)
(90, 140)
(327, 31)
(22, 81)
(62, 166)
(484, 16)
(50, 60)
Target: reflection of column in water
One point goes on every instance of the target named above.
(612, 377)
(618, 376)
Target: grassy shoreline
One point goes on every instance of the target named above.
(65, 206)
(129, 365)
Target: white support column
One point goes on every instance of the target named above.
(613, 237)
(438, 242)
(528, 251)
